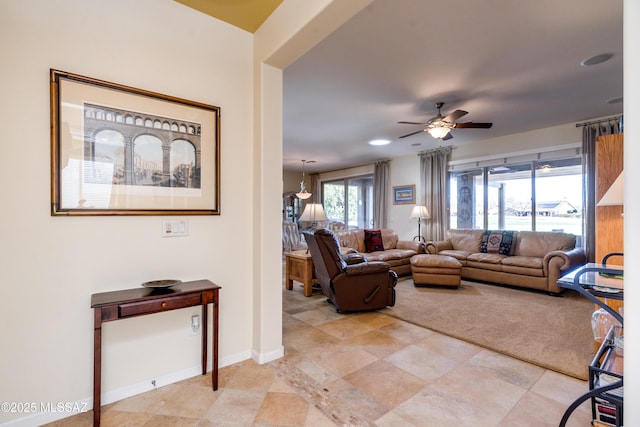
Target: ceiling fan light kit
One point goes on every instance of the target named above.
(438, 131)
(439, 127)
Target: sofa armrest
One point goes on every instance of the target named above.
(566, 260)
(367, 268)
(435, 246)
(407, 244)
(555, 264)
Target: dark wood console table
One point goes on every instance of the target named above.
(110, 306)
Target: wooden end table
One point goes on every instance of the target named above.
(299, 267)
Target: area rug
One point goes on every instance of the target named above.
(551, 332)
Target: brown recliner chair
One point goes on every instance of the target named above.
(349, 282)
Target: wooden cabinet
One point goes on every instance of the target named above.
(609, 219)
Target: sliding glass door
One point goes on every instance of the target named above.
(349, 201)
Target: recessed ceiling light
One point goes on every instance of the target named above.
(598, 59)
(379, 142)
(615, 101)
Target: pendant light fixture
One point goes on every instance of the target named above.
(303, 194)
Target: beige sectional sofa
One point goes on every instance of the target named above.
(532, 259)
(397, 253)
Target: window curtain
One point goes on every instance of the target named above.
(433, 176)
(590, 133)
(380, 191)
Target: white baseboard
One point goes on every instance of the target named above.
(71, 408)
(261, 358)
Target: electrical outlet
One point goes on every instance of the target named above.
(194, 325)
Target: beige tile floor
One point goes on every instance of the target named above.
(365, 369)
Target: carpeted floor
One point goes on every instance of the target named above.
(552, 332)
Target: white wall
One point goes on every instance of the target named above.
(52, 265)
(403, 171)
(632, 210)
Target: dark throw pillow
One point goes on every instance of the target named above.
(373, 240)
(498, 242)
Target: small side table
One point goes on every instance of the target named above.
(299, 267)
(116, 305)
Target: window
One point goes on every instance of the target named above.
(349, 201)
(504, 196)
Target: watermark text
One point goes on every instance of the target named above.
(35, 407)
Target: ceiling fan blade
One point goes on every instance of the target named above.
(455, 116)
(447, 136)
(473, 125)
(413, 133)
(413, 123)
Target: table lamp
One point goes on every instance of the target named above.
(313, 212)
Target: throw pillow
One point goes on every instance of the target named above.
(498, 242)
(373, 240)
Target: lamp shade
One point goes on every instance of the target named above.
(420, 211)
(303, 194)
(313, 212)
(615, 194)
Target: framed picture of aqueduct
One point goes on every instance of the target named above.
(118, 150)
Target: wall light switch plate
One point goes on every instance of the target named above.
(174, 227)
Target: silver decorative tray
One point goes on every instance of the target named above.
(161, 283)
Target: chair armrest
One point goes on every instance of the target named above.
(346, 250)
(406, 244)
(435, 246)
(367, 268)
(353, 258)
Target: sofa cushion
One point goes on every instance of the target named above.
(484, 265)
(498, 241)
(390, 255)
(459, 255)
(523, 261)
(465, 240)
(526, 266)
(539, 243)
(373, 240)
(486, 258)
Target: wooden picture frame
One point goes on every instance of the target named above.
(118, 150)
(404, 195)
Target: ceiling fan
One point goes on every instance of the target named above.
(439, 126)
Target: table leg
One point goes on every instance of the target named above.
(205, 323)
(308, 278)
(97, 364)
(214, 341)
(287, 271)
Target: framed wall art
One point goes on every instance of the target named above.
(404, 195)
(118, 150)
